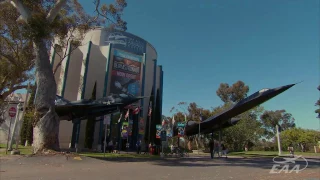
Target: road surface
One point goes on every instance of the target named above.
(58, 167)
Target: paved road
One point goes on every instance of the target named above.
(198, 168)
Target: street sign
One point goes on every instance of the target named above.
(163, 135)
(12, 112)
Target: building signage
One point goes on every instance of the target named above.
(126, 41)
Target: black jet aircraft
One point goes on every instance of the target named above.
(70, 110)
(226, 118)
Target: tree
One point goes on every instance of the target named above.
(318, 103)
(90, 122)
(235, 93)
(299, 135)
(41, 22)
(191, 111)
(246, 132)
(279, 117)
(16, 53)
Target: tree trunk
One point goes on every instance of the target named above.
(46, 125)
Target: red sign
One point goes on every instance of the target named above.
(12, 112)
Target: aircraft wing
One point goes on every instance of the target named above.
(192, 127)
(259, 97)
(68, 110)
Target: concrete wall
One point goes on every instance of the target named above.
(65, 134)
(151, 55)
(82, 134)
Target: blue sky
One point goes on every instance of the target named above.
(202, 43)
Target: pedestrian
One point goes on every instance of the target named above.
(138, 147)
(224, 150)
(211, 146)
(172, 149)
(216, 148)
(290, 149)
(150, 148)
(110, 146)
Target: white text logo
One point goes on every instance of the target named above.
(283, 165)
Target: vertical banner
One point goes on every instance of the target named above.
(126, 73)
(166, 126)
(158, 131)
(130, 127)
(180, 126)
(169, 131)
(141, 126)
(124, 130)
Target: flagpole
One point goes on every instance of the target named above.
(172, 131)
(149, 119)
(128, 116)
(199, 132)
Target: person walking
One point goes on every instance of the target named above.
(110, 146)
(211, 146)
(216, 148)
(224, 150)
(290, 149)
(138, 147)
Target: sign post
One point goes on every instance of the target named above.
(12, 113)
(16, 121)
(106, 121)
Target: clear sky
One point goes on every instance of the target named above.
(203, 43)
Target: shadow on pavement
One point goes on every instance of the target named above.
(263, 163)
(260, 163)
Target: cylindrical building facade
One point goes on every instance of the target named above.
(118, 63)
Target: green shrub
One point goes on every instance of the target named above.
(26, 132)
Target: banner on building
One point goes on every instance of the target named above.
(158, 130)
(169, 131)
(141, 126)
(180, 127)
(130, 127)
(166, 126)
(126, 73)
(124, 130)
